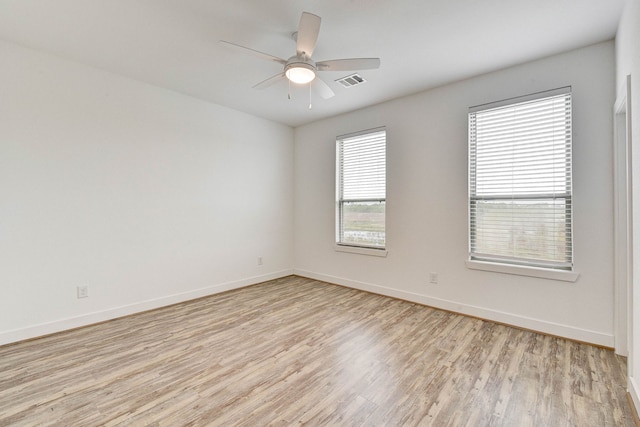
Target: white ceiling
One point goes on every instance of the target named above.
(421, 43)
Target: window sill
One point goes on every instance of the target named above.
(361, 251)
(542, 273)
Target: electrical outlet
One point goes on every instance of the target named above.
(83, 291)
(259, 260)
(433, 278)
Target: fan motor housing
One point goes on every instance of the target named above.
(296, 61)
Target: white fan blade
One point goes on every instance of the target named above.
(350, 64)
(254, 52)
(321, 88)
(308, 31)
(270, 81)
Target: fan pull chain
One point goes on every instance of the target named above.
(289, 90)
(309, 96)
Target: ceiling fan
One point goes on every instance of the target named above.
(300, 68)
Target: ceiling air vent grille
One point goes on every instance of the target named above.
(351, 80)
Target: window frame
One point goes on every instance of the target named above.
(340, 244)
(520, 265)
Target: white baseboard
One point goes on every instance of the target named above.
(634, 392)
(7, 337)
(533, 324)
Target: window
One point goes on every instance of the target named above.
(361, 189)
(520, 181)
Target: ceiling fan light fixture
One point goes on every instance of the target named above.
(300, 73)
(300, 68)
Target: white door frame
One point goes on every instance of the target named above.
(623, 220)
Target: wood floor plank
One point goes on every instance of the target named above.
(297, 351)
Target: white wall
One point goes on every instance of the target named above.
(628, 63)
(427, 201)
(150, 197)
(147, 196)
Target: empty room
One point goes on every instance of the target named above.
(332, 213)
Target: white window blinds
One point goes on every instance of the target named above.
(520, 208)
(361, 189)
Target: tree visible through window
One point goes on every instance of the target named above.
(361, 189)
(520, 209)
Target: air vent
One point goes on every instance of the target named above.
(352, 80)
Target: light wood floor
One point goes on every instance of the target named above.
(296, 351)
